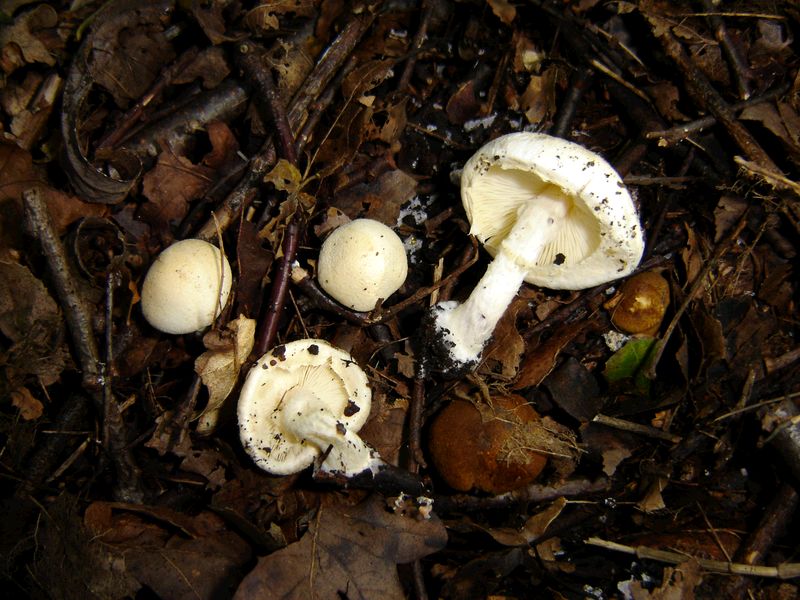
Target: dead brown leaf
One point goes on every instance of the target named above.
(128, 53)
(198, 560)
(679, 584)
(171, 185)
(31, 321)
(381, 198)
(534, 528)
(29, 407)
(219, 368)
(507, 346)
(541, 358)
(503, 10)
(20, 43)
(352, 551)
(538, 101)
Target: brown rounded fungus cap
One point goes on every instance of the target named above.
(475, 448)
(642, 302)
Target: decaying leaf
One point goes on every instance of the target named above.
(679, 584)
(507, 346)
(29, 407)
(264, 16)
(350, 551)
(534, 528)
(540, 359)
(171, 553)
(175, 181)
(19, 43)
(219, 367)
(31, 321)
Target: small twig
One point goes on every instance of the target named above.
(416, 412)
(531, 493)
(419, 581)
(784, 571)
(332, 60)
(636, 428)
(579, 83)
(778, 517)
(416, 44)
(135, 112)
(269, 327)
(40, 225)
(741, 72)
(256, 70)
(708, 98)
(697, 286)
(321, 104)
(673, 135)
(772, 177)
(128, 480)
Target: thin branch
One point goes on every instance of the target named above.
(784, 571)
(79, 320)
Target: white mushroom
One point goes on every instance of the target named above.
(186, 287)
(303, 400)
(552, 213)
(362, 262)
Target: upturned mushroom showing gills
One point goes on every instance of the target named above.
(186, 287)
(552, 213)
(304, 400)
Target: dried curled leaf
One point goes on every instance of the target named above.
(219, 367)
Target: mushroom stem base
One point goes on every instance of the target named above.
(307, 418)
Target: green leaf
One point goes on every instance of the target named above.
(627, 362)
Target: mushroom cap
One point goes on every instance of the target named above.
(362, 262)
(312, 365)
(601, 238)
(641, 303)
(186, 287)
(474, 450)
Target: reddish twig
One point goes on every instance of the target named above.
(416, 412)
(269, 326)
(256, 69)
(416, 44)
(133, 115)
(741, 72)
(333, 59)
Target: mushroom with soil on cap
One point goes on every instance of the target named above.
(552, 213)
(475, 446)
(361, 263)
(303, 400)
(186, 287)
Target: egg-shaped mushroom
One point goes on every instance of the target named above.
(361, 263)
(186, 287)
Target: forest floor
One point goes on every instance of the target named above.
(669, 451)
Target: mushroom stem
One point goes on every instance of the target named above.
(467, 327)
(305, 416)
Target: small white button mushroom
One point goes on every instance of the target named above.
(552, 213)
(186, 287)
(303, 400)
(362, 262)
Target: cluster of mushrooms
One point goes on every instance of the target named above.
(550, 212)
